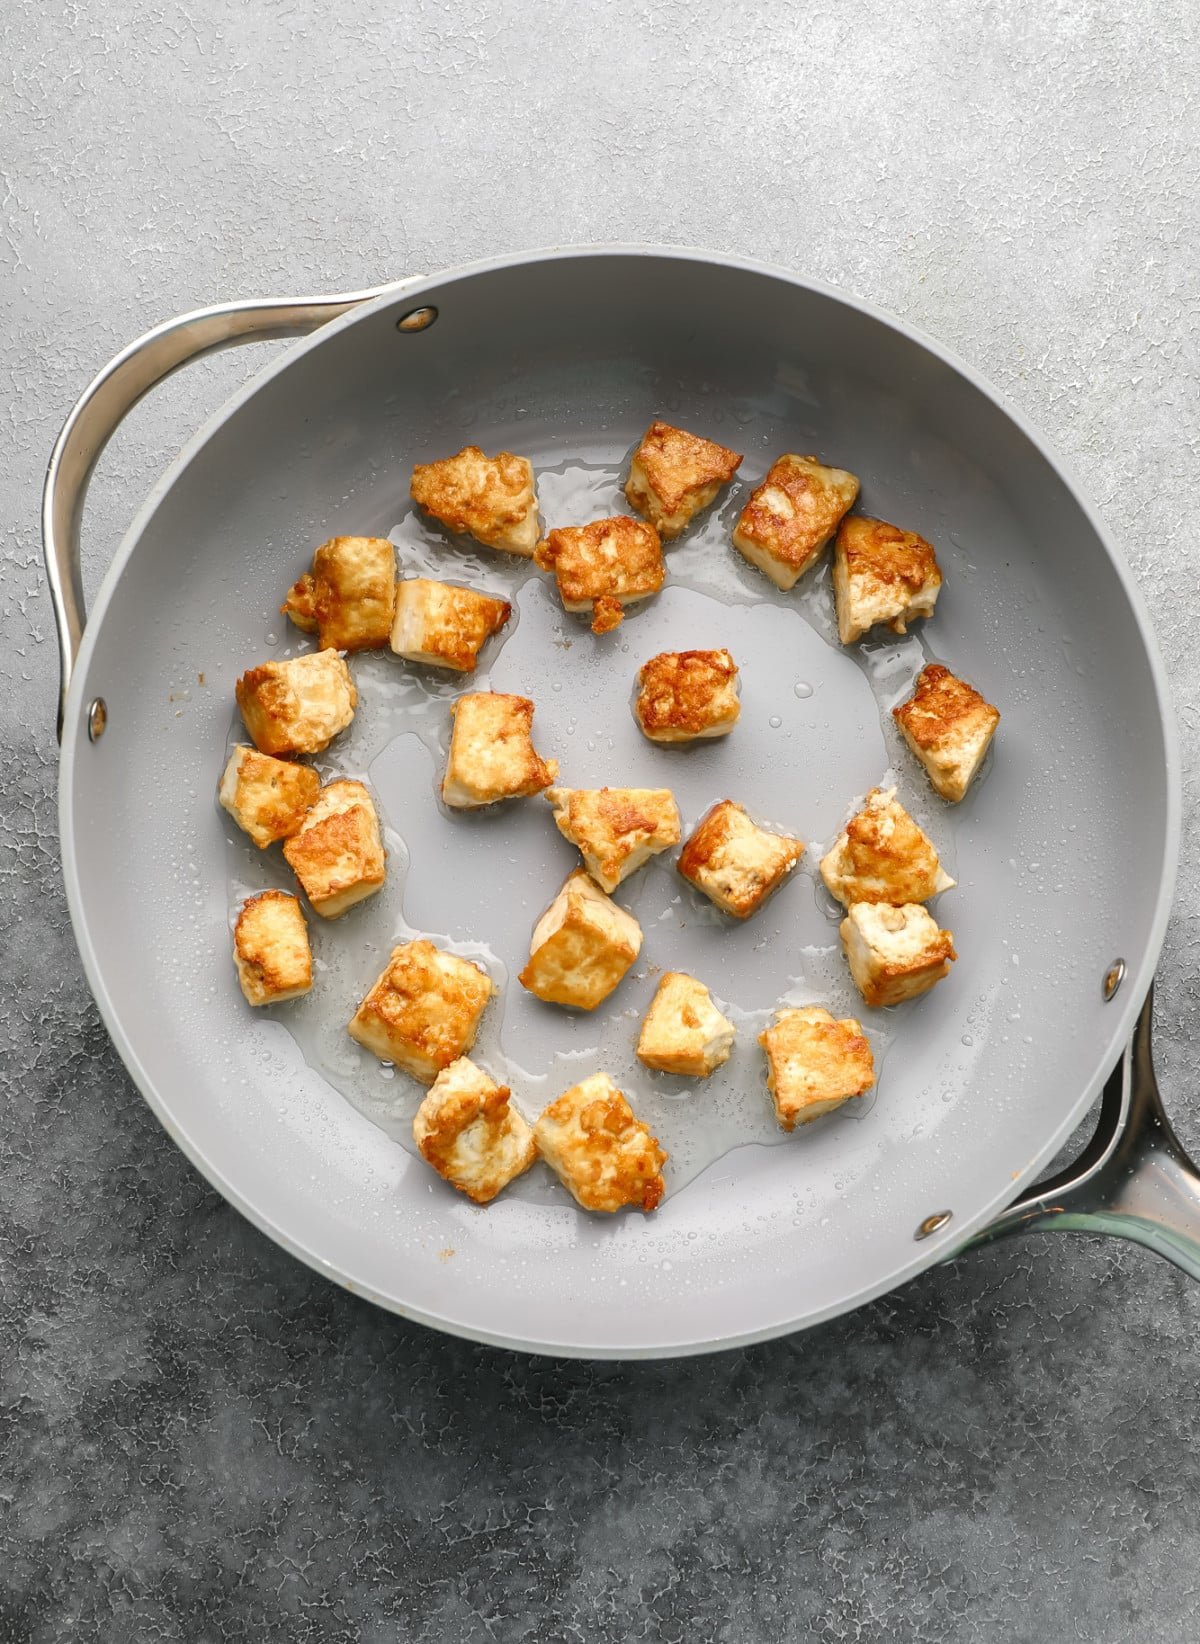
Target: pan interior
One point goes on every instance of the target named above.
(1059, 853)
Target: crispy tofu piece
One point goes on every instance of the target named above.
(685, 695)
(895, 953)
(881, 574)
(297, 706)
(883, 856)
(683, 1031)
(300, 604)
(266, 797)
(491, 752)
(350, 595)
(490, 498)
(603, 1155)
(792, 515)
(270, 949)
(616, 829)
(814, 1063)
(581, 946)
(337, 854)
(674, 474)
(469, 1131)
(736, 863)
(949, 727)
(604, 566)
(442, 625)
(423, 1011)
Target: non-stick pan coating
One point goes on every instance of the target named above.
(1064, 855)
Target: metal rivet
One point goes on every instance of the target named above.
(97, 719)
(1113, 977)
(933, 1224)
(417, 319)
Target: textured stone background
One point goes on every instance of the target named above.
(200, 1439)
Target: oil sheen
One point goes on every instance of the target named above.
(815, 734)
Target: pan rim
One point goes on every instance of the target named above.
(924, 1255)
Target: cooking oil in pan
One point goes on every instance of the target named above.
(816, 734)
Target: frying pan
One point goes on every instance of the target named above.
(1064, 854)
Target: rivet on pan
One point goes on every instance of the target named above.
(1113, 977)
(933, 1224)
(97, 718)
(417, 319)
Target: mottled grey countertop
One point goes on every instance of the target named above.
(201, 1439)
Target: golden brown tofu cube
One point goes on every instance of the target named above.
(603, 1155)
(814, 1063)
(350, 595)
(490, 498)
(792, 515)
(266, 797)
(469, 1131)
(616, 829)
(949, 727)
(444, 626)
(685, 695)
(492, 755)
(736, 863)
(895, 953)
(423, 1011)
(581, 946)
(683, 1031)
(337, 854)
(270, 949)
(883, 856)
(674, 474)
(604, 566)
(881, 574)
(297, 706)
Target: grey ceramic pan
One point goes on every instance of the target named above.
(1064, 854)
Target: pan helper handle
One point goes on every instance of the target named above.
(1133, 1179)
(107, 399)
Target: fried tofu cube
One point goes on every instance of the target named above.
(685, 695)
(674, 474)
(895, 953)
(616, 829)
(297, 706)
(442, 625)
(881, 574)
(603, 567)
(792, 515)
(815, 1063)
(423, 1011)
(266, 797)
(736, 863)
(604, 1156)
(491, 752)
(489, 498)
(270, 949)
(336, 853)
(469, 1131)
(883, 856)
(683, 1031)
(581, 946)
(350, 595)
(949, 727)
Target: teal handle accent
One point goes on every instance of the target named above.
(1134, 1180)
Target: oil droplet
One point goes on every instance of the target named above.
(802, 688)
(774, 722)
(967, 1040)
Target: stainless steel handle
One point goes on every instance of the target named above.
(1134, 1178)
(98, 412)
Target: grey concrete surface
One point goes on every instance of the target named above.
(201, 1440)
